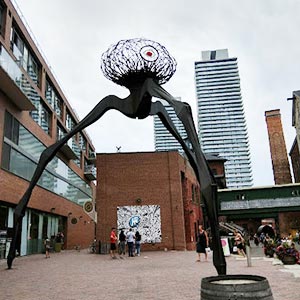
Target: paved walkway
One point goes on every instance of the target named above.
(72, 275)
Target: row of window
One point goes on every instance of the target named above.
(42, 115)
(21, 152)
(217, 77)
(207, 68)
(221, 90)
(216, 94)
(217, 84)
(27, 61)
(220, 99)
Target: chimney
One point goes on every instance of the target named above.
(280, 162)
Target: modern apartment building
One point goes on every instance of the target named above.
(34, 114)
(221, 120)
(164, 140)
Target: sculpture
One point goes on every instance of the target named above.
(140, 65)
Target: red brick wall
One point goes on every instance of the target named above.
(289, 223)
(12, 189)
(280, 163)
(156, 179)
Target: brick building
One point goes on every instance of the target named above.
(34, 114)
(295, 160)
(156, 193)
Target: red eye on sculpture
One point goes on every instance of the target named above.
(149, 53)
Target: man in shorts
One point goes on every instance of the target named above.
(113, 243)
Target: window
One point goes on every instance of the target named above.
(11, 128)
(24, 56)
(240, 197)
(52, 98)
(60, 132)
(82, 142)
(5, 156)
(70, 123)
(2, 17)
(42, 116)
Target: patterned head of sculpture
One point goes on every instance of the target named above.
(130, 62)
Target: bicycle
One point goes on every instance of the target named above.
(92, 247)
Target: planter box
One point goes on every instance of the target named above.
(289, 260)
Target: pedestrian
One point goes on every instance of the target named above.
(113, 241)
(202, 243)
(239, 242)
(130, 240)
(256, 239)
(138, 238)
(122, 243)
(47, 244)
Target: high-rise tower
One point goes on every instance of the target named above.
(221, 120)
(164, 140)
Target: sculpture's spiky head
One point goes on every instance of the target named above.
(130, 62)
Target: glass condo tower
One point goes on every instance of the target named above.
(164, 140)
(221, 120)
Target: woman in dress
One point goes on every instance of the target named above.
(202, 243)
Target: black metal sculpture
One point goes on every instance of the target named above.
(141, 65)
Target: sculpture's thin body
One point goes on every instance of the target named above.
(143, 85)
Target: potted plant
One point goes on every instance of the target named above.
(287, 253)
(269, 247)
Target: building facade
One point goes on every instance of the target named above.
(294, 152)
(157, 189)
(221, 120)
(250, 207)
(164, 140)
(156, 193)
(34, 114)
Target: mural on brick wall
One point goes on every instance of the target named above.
(142, 218)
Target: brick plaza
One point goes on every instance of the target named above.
(72, 275)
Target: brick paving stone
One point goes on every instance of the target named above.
(72, 275)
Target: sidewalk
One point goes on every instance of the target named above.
(72, 275)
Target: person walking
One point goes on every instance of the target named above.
(239, 242)
(113, 241)
(130, 240)
(47, 244)
(138, 238)
(202, 243)
(122, 243)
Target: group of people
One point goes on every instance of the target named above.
(132, 239)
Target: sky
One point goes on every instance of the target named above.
(263, 35)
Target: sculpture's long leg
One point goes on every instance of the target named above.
(109, 102)
(200, 166)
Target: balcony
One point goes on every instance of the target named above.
(13, 82)
(90, 172)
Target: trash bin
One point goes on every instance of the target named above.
(57, 247)
(104, 248)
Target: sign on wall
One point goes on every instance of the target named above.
(142, 218)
